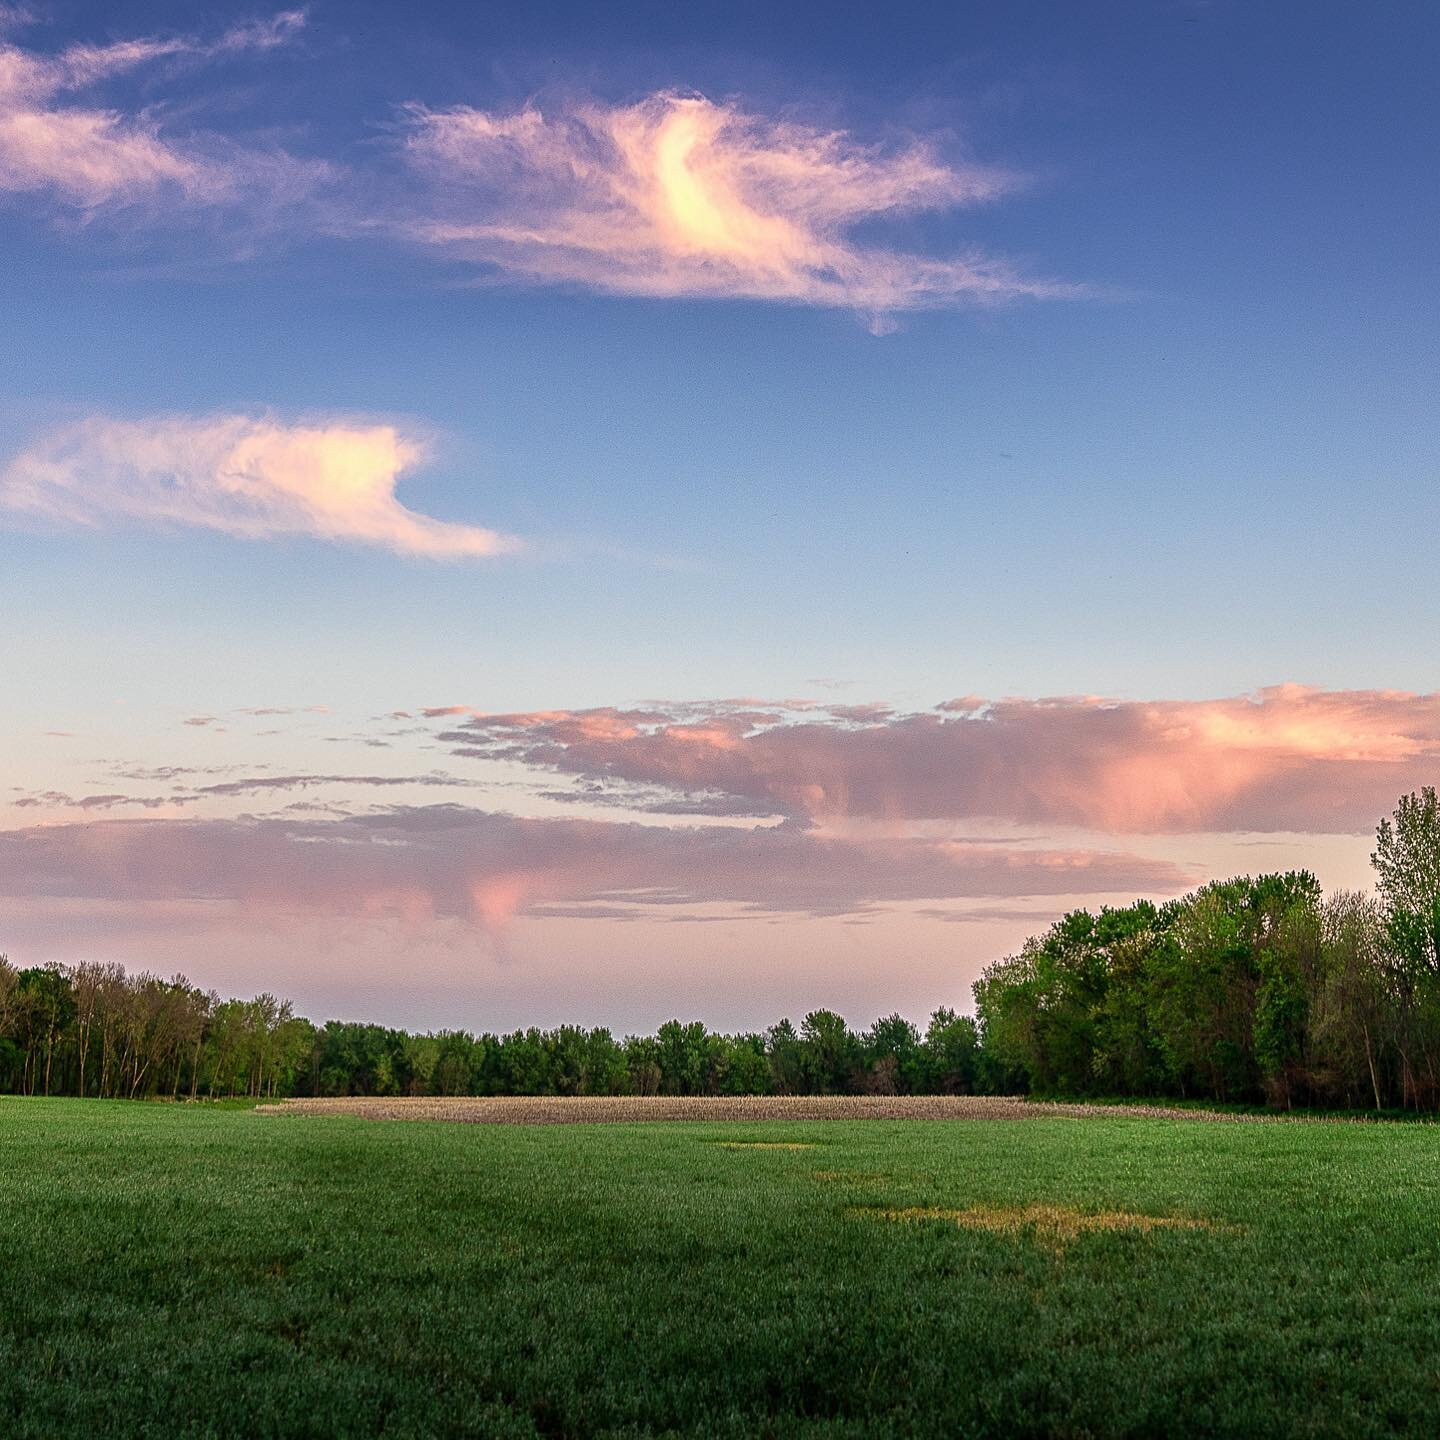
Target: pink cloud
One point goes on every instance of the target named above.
(90, 156)
(251, 477)
(449, 860)
(678, 195)
(1287, 758)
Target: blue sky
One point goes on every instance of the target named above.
(1209, 472)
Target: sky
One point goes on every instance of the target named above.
(514, 514)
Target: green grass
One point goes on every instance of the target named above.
(176, 1270)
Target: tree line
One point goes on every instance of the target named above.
(1247, 990)
(93, 1030)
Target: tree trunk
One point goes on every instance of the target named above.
(1370, 1061)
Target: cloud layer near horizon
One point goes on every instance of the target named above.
(1286, 759)
(423, 862)
(677, 195)
(869, 804)
(250, 477)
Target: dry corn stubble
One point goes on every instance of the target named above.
(629, 1109)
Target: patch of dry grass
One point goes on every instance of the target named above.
(766, 1144)
(850, 1177)
(1054, 1226)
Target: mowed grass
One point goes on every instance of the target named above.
(173, 1270)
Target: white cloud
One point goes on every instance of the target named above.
(251, 477)
(90, 156)
(679, 196)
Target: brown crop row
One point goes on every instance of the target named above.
(583, 1109)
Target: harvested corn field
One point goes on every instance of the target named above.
(629, 1109)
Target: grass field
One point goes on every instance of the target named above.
(172, 1270)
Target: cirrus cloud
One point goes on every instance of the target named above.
(677, 195)
(88, 156)
(246, 476)
(672, 195)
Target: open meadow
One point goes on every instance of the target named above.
(186, 1269)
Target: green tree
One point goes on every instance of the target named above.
(1203, 987)
(51, 1006)
(949, 1054)
(1353, 1014)
(683, 1055)
(831, 1052)
(642, 1064)
(740, 1065)
(1007, 1011)
(12, 1053)
(1125, 1057)
(786, 1054)
(1407, 882)
(890, 1054)
(1287, 943)
(1407, 876)
(457, 1063)
(605, 1070)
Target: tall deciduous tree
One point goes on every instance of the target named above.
(1407, 882)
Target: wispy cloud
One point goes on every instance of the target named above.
(674, 195)
(189, 793)
(251, 477)
(88, 155)
(450, 860)
(270, 710)
(59, 800)
(1288, 758)
(678, 195)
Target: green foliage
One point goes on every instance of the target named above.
(950, 1055)
(1247, 990)
(831, 1053)
(891, 1057)
(1407, 876)
(787, 1059)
